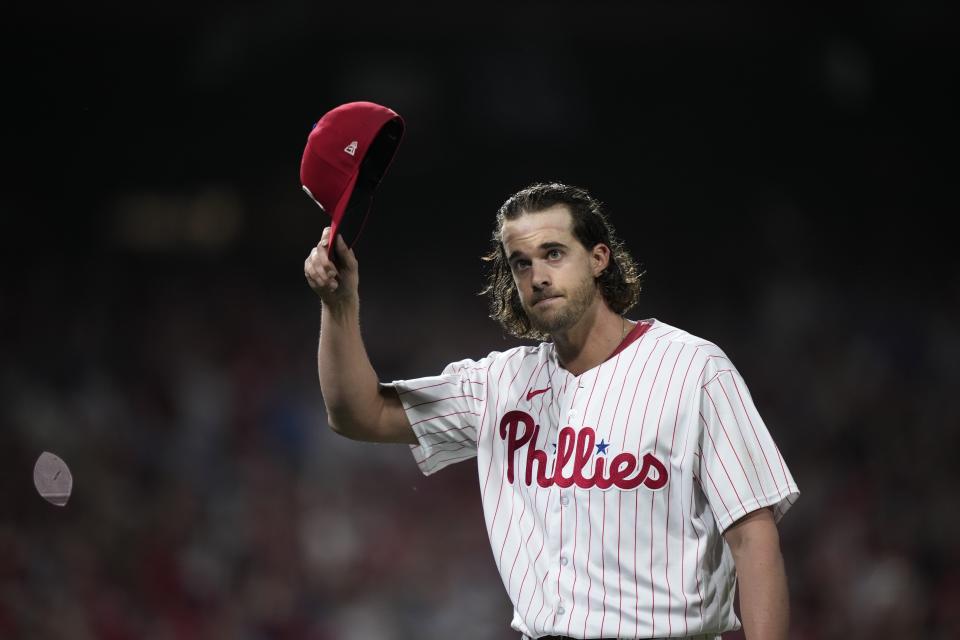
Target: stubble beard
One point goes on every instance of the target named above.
(576, 304)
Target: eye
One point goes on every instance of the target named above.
(520, 265)
(554, 254)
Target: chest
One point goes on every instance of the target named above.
(618, 426)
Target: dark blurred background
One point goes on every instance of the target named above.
(786, 176)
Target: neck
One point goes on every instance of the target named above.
(591, 340)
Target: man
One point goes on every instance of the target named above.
(627, 479)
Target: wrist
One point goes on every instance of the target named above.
(340, 309)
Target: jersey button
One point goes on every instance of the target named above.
(561, 611)
(572, 413)
(563, 560)
(564, 500)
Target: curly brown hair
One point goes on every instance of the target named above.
(619, 283)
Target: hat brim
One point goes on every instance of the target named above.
(341, 218)
(353, 208)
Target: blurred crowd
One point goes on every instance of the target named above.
(782, 169)
(211, 501)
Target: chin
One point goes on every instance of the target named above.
(551, 322)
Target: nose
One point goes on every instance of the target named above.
(540, 275)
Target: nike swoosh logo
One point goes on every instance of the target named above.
(535, 392)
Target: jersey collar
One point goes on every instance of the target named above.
(638, 330)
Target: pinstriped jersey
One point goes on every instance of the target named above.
(606, 494)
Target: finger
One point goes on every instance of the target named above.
(319, 256)
(325, 269)
(322, 280)
(325, 272)
(318, 263)
(324, 240)
(310, 258)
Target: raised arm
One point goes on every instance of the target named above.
(358, 406)
(764, 606)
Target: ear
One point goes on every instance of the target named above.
(599, 258)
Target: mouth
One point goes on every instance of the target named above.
(545, 300)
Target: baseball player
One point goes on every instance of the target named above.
(628, 482)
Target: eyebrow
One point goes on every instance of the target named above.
(546, 246)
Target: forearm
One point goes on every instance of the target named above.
(358, 406)
(764, 604)
(348, 382)
(761, 577)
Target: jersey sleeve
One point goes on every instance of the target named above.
(444, 412)
(740, 468)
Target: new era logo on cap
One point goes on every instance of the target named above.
(341, 179)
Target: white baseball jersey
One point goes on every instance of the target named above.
(606, 494)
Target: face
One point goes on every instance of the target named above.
(554, 273)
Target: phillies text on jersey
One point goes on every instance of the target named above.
(606, 494)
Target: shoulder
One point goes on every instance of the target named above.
(497, 362)
(703, 355)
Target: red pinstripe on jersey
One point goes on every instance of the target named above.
(463, 395)
(514, 502)
(527, 498)
(636, 503)
(619, 507)
(723, 429)
(666, 418)
(603, 519)
(492, 523)
(593, 388)
(666, 523)
(683, 543)
(783, 469)
(576, 388)
(543, 538)
(483, 422)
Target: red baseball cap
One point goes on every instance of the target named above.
(347, 154)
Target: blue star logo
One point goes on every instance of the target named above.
(602, 447)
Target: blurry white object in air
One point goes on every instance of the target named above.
(52, 479)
